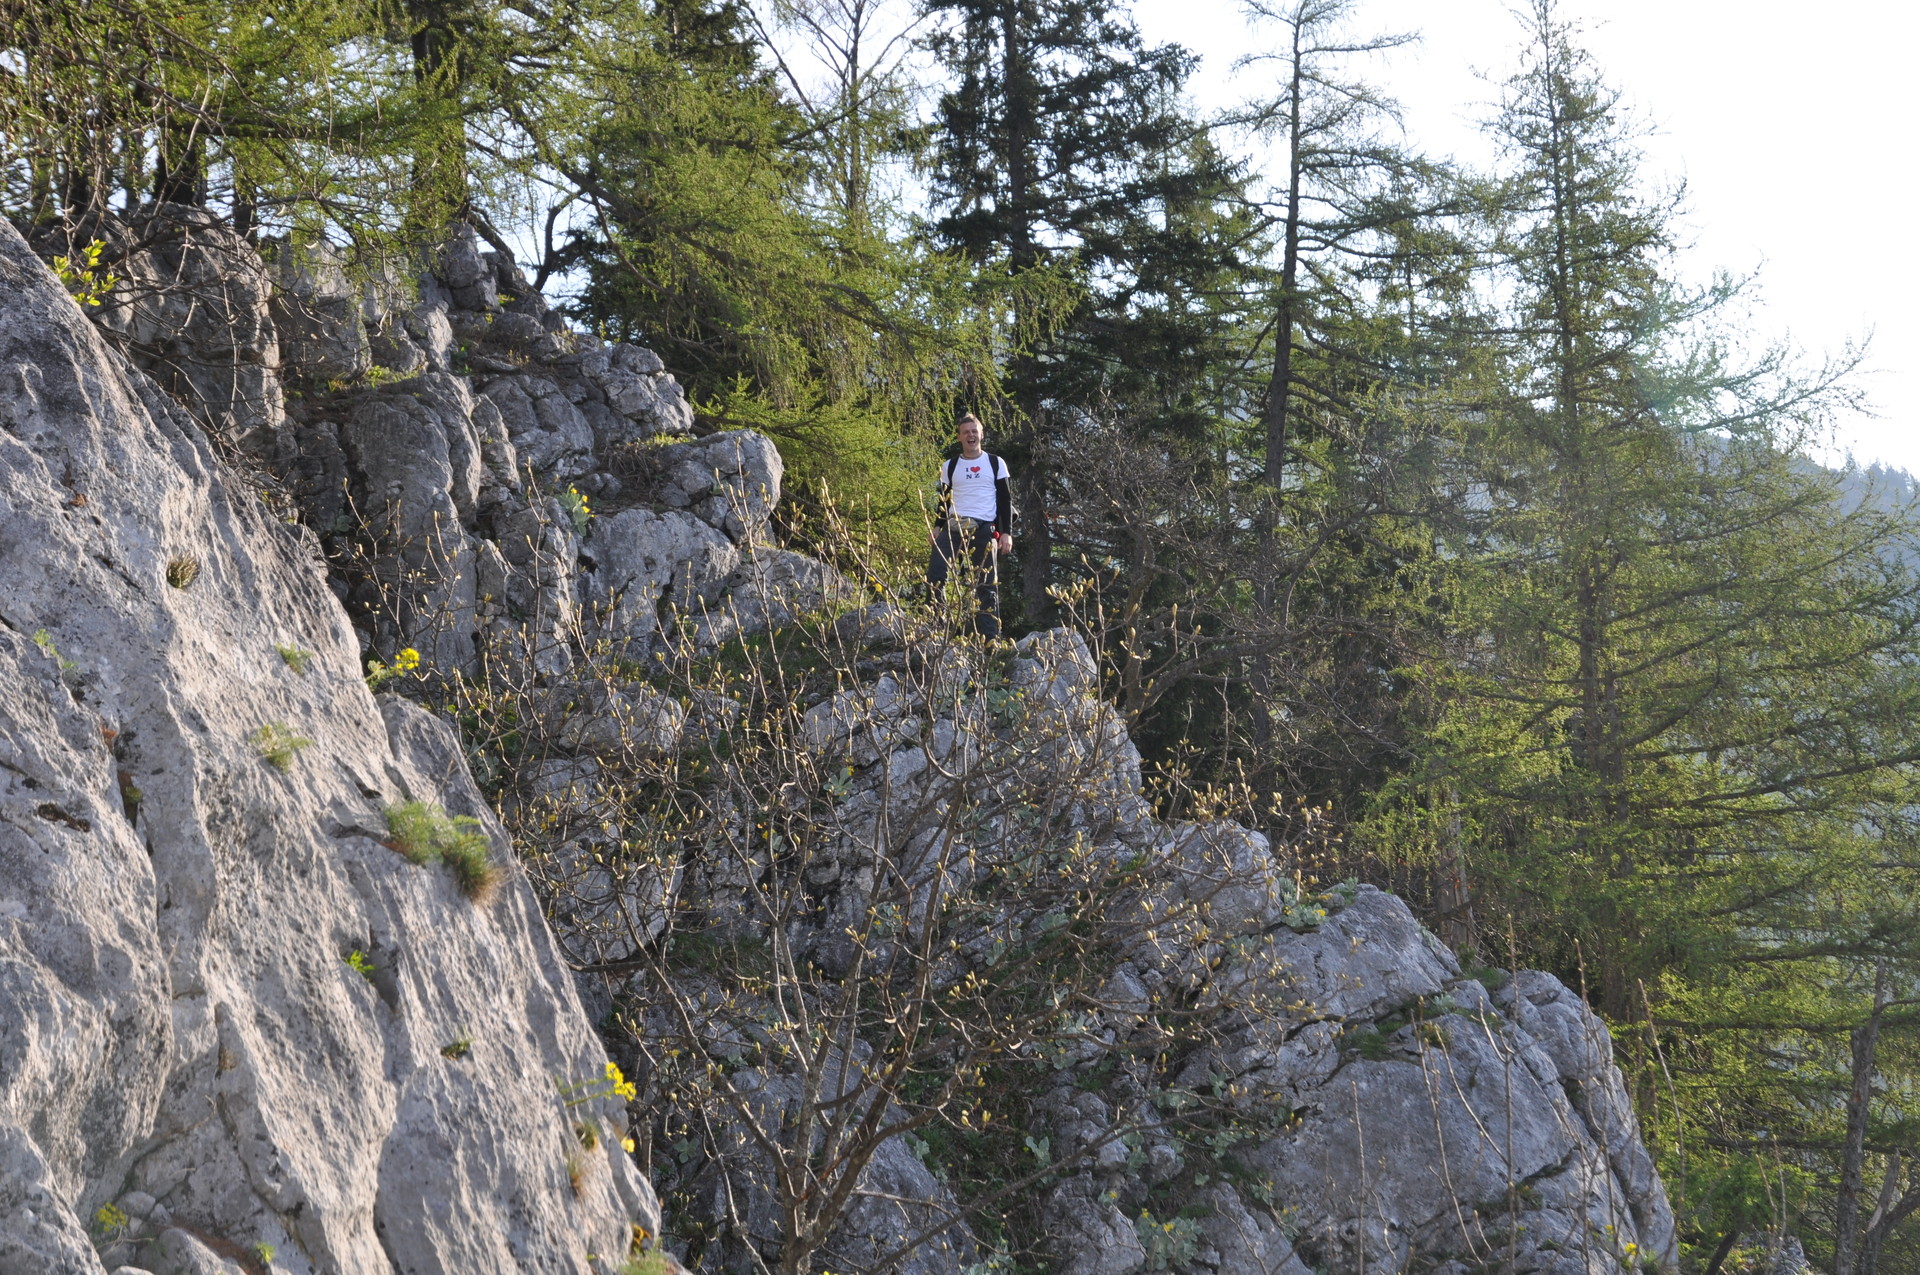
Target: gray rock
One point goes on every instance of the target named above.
(427, 326)
(643, 396)
(1088, 1234)
(616, 720)
(469, 277)
(879, 624)
(178, 1252)
(772, 588)
(1364, 961)
(416, 464)
(1247, 1242)
(176, 910)
(193, 305)
(730, 480)
(547, 431)
(318, 314)
(639, 558)
(392, 347)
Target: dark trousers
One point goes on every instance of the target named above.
(977, 569)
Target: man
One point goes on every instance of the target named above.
(975, 518)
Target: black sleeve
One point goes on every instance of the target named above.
(1002, 502)
(943, 501)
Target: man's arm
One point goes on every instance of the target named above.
(1003, 500)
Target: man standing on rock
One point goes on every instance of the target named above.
(975, 519)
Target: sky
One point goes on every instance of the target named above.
(1793, 127)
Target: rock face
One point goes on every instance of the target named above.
(229, 1014)
(508, 484)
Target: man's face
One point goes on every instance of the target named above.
(970, 434)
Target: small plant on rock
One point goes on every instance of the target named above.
(610, 1084)
(278, 745)
(574, 503)
(378, 674)
(111, 1222)
(1169, 1245)
(82, 276)
(357, 962)
(577, 1172)
(425, 834)
(297, 658)
(44, 640)
(183, 571)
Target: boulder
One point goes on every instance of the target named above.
(730, 480)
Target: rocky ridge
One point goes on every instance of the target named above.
(504, 484)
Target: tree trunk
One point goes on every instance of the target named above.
(1866, 1040)
(1036, 558)
(1275, 420)
(1452, 901)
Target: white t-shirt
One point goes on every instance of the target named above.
(973, 494)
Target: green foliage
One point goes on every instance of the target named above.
(574, 505)
(1170, 1244)
(424, 834)
(808, 318)
(111, 1222)
(844, 455)
(82, 275)
(296, 657)
(357, 962)
(1370, 1042)
(651, 1262)
(405, 664)
(300, 112)
(44, 640)
(278, 745)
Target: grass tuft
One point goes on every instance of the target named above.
(182, 571)
(424, 833)
(278, 744)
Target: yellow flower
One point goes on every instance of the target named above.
(626, 1145)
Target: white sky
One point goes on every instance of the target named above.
(1792, 125)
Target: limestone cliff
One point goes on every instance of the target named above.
(230, 1016)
